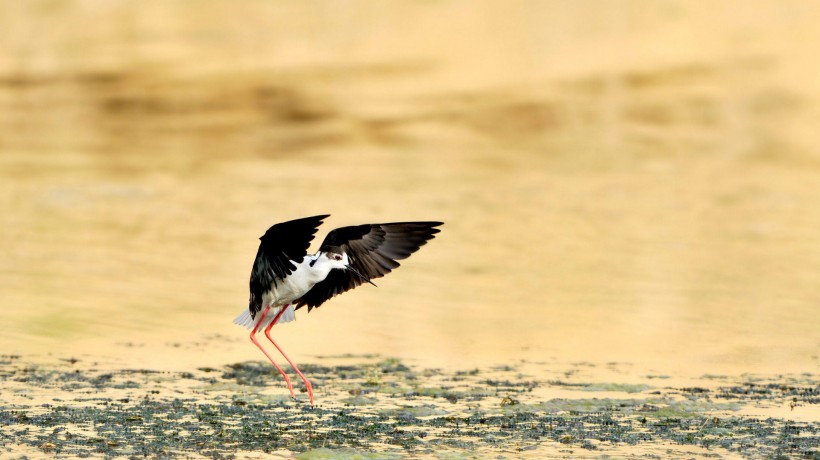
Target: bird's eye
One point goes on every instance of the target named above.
(337, 257)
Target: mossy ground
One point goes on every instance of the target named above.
(381, 408)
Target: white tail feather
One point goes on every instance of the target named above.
(248, 322)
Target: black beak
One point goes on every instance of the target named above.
(364, 278)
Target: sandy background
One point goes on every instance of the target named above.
(621, 181)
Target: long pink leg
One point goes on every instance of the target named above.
(253, 339)
(304, 379)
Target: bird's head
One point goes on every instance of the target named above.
(340, 260)
(336, 259)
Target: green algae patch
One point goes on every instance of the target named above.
(345, 454)
(359, 401)
(688, 408)
(618, 387)
(603, 386)
(412, 412)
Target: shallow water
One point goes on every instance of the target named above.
(634, 185)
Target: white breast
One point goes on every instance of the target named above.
(285, 292)
(294, 286)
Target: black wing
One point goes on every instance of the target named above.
(280, 245)
(373, 250)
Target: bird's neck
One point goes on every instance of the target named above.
(317, 268)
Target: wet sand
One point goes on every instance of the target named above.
(375, 407)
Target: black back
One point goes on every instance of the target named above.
(373, 250)
(281, 244)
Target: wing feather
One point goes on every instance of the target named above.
(373, 250)
(281, 246)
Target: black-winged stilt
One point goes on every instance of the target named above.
(285, 277)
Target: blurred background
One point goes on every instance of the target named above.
(631, 181)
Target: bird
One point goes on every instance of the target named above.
(285, 278)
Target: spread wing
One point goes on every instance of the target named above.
(281, 244)
(373, 250)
